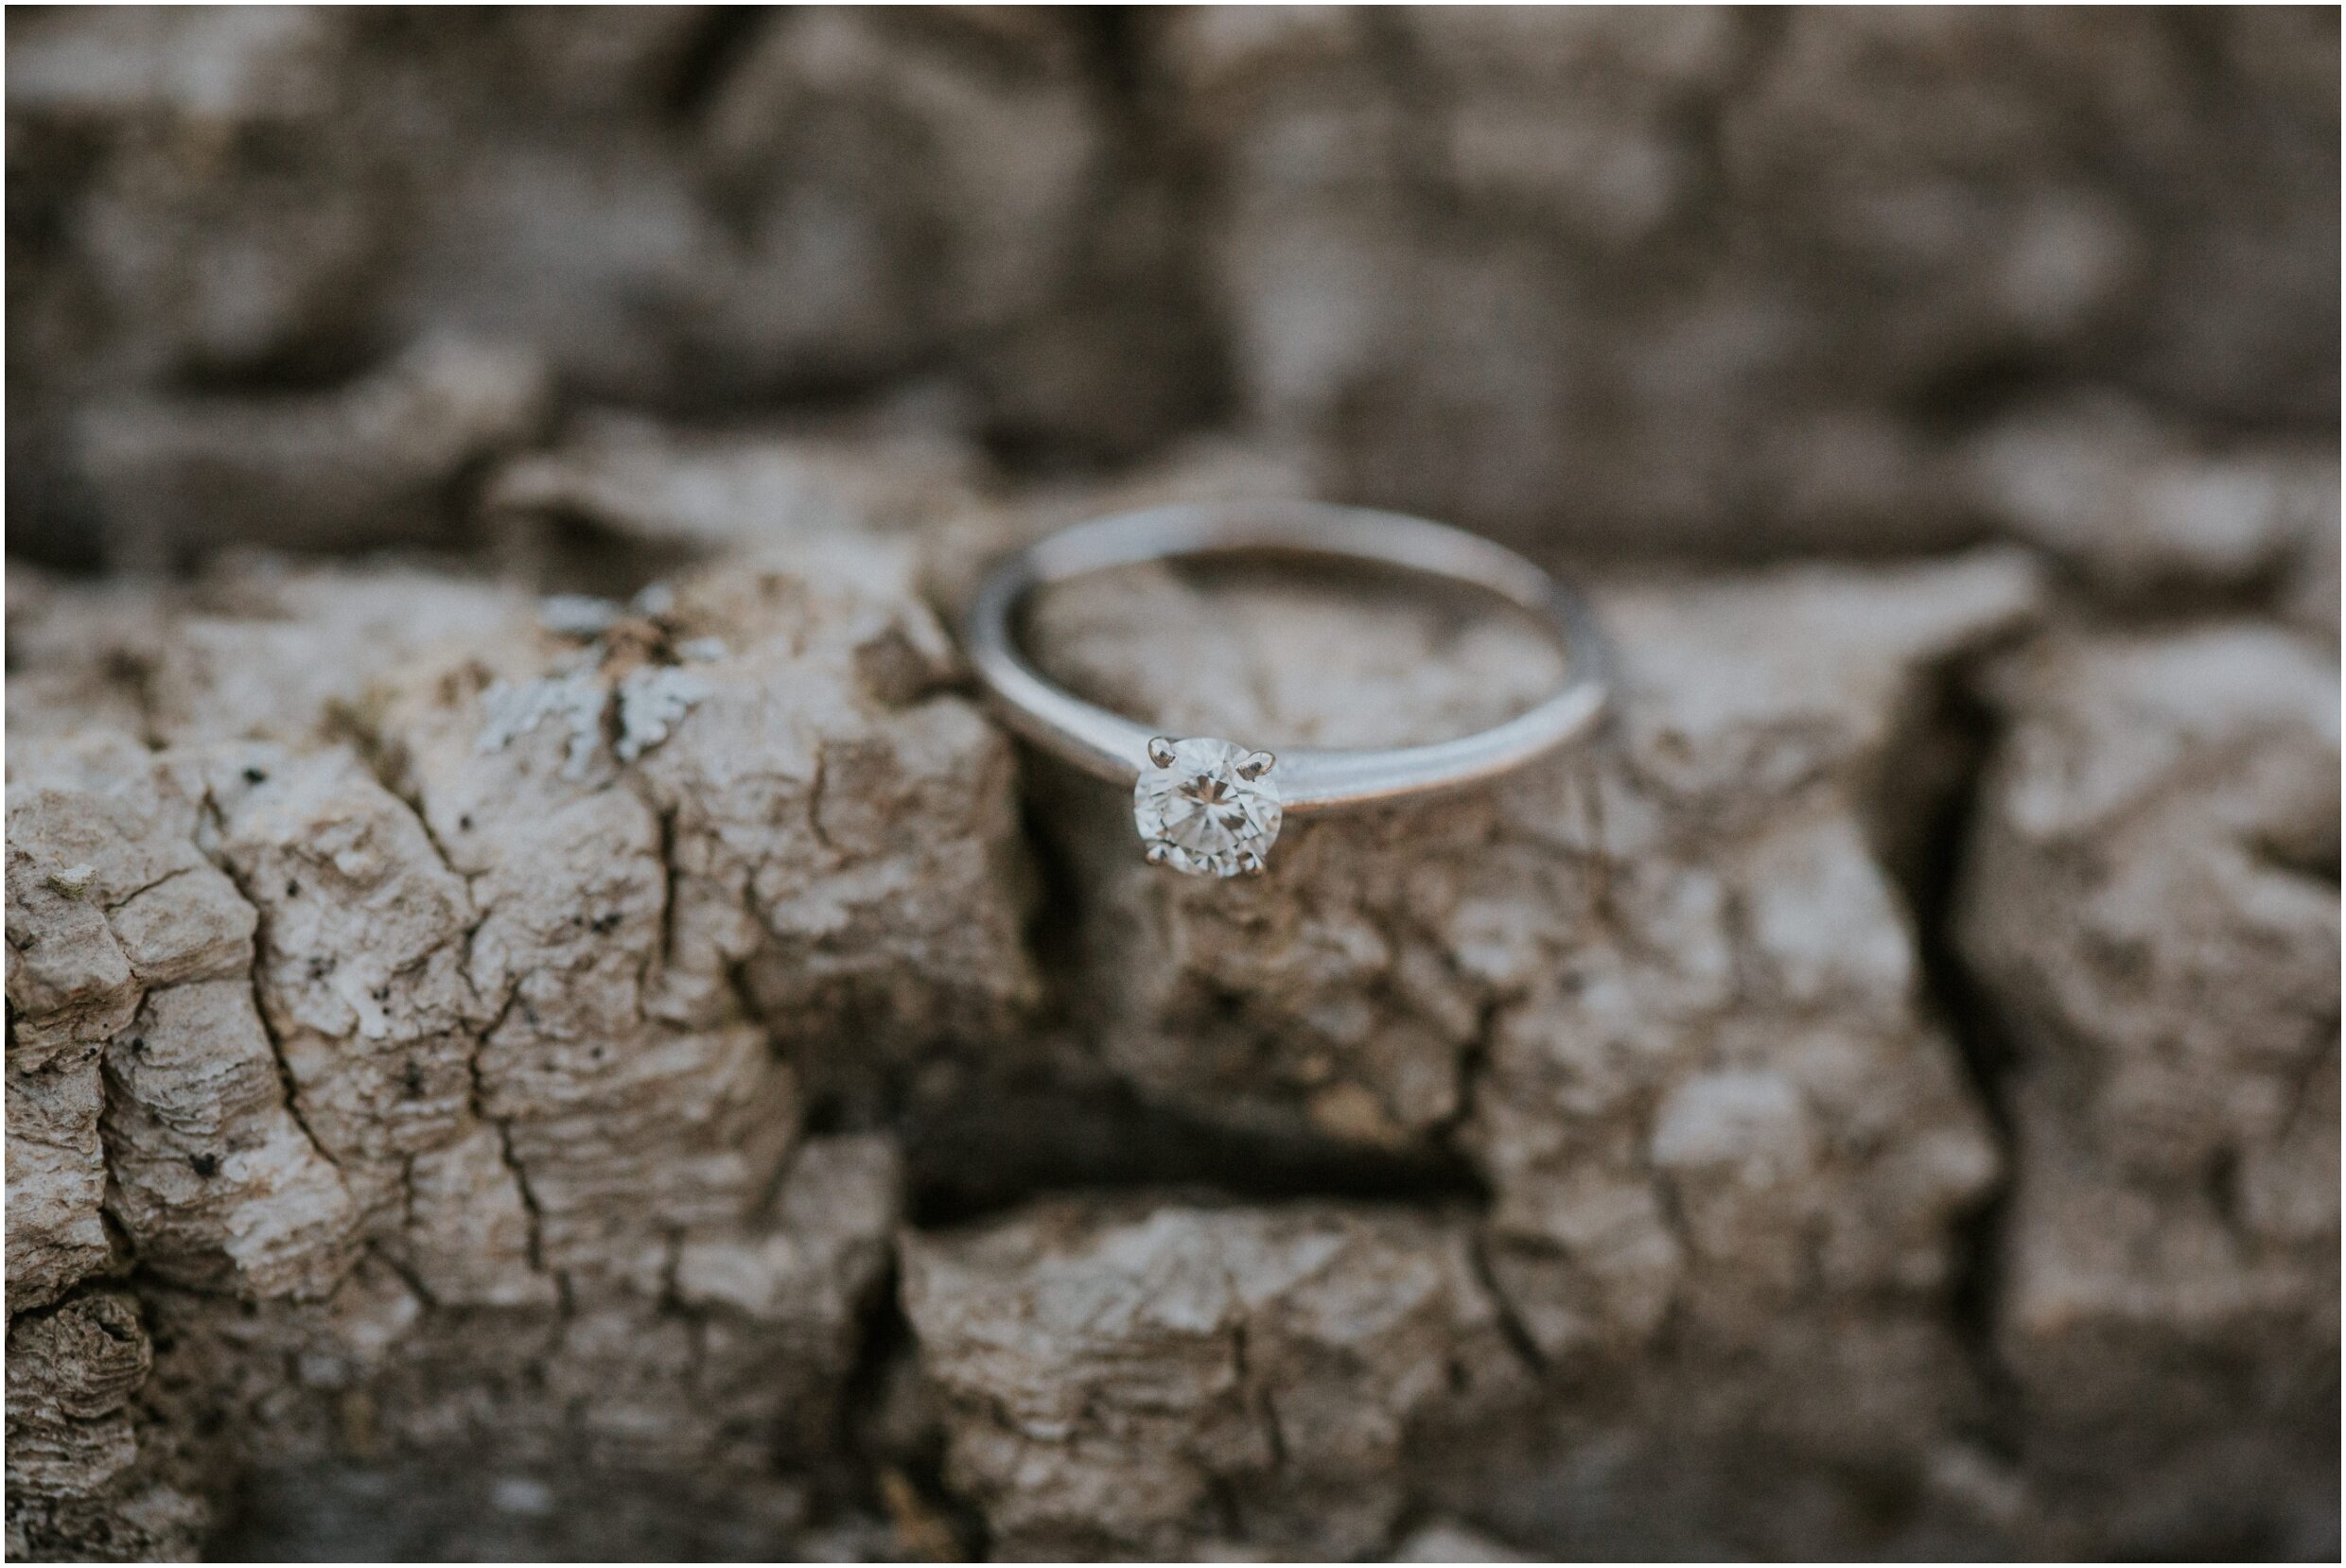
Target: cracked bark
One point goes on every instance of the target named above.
(614, 1077)
(525, 1183)
(450, 1133)
(2151, 904)
(1679, 1035)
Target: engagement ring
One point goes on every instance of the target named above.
(1211, 806)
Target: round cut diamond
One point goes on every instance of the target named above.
(1206, 807)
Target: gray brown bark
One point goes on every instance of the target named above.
(590, 1044)
(474, 1060)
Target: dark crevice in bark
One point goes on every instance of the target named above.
(1115, 52)
(1511, 1325)
(988, 1152)
(720, 42)
(568, 552)
(2315, 863)
(898, 1474)
(288, 1083)
(1054, 923)
(284, 373)
(1927, 837)
(1138, 279)
(1697, 235)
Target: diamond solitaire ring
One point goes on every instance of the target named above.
(1213, 808)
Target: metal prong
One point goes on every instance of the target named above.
(1161, 751)
(1255, 764)
(1251, 863)
(1157, 854)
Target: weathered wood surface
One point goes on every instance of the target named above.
(497, 1077)
(405, 1093)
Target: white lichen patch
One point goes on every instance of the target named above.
(512, 711)
(651, 700)
(627, 675)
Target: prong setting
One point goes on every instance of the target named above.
(1207, 808)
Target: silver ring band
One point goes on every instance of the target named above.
(1117, 748)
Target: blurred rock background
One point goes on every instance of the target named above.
(1710, 283)
(1886, 1105)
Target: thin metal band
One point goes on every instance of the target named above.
(1115, 747)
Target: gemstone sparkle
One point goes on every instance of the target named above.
(1207, 808)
